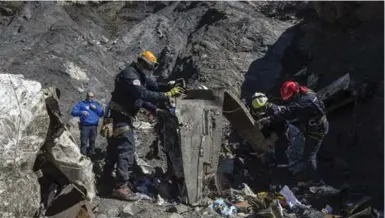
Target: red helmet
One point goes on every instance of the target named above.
(288, 89)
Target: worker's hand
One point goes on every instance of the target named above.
(264, 120)
(85, 113)
(175, 91)
(160, 112)
(93, 106)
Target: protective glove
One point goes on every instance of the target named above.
(174, 92)
(160, 112)
(264, 120)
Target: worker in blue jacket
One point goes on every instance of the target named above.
(89, 112)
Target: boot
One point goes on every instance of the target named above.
(124, 192)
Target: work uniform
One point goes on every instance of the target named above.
(309, 111)
(287, 132)
(133, 90)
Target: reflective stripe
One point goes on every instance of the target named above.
(317, 121)
(120, 130)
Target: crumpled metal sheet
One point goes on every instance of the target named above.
(64, 153)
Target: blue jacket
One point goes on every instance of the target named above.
(93, 114)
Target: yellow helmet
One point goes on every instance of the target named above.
(259, 100)
(149, 58)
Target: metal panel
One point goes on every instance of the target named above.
(200, 135)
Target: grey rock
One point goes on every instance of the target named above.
(129, 210)
(175, 215)
(180, 209)
(113, 211)
(24, 123)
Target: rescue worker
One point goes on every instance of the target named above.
(89, 112)
(263, 110)
(133, 90)
(309, 111)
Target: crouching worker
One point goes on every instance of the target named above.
(263, 111)
(309, 111)
(89, 112)
(133, 89)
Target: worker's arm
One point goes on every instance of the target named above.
(149, 107)
(76, 110)
(152, 85)
(289, 112)
(133, 85)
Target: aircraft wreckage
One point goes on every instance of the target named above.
(192, 136)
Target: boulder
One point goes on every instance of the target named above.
(24, 123)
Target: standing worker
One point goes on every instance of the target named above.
(133, 90)
(89, 112)
(309, 111)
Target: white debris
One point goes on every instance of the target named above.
(144, 166)
(142, 125)
(75, 72)
(160, 201)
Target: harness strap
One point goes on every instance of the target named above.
(120, 130)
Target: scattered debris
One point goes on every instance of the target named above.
(324, 190)
(223, 208)
(290, 198)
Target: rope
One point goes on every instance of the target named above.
(232, 111)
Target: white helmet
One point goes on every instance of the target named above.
(259, 100)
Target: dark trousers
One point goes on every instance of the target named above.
(295, 150)
(87, 134)
(313, 142)
(121, 150)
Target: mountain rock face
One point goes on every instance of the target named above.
(245, 46)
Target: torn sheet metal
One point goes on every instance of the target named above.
(340, 84)
(70, 203)
(242, 121)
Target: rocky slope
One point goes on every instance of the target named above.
(246, 46)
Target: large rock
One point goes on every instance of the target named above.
(24, 123)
